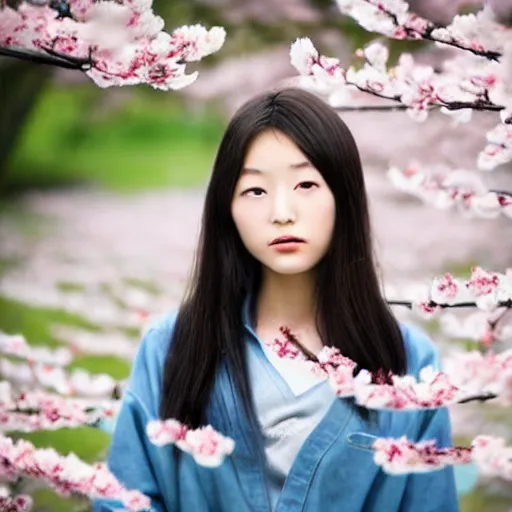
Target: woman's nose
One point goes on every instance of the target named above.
(283, 209)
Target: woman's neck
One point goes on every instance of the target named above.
(288, 300)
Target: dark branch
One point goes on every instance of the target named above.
(371, 108)
(481, 398)
(501, 192)
(473, 105)
(432, 304)
(427, 36)
(52, 58)
(488, 54)
(454, 105)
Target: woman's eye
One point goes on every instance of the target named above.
(254, 192)
(307, 185)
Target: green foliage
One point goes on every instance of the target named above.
(150, 140)
(35, 322)
(483, 500)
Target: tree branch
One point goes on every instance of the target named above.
(432, 304)
(481, 398)
(52, 59)
(427, 36)
(454, 105)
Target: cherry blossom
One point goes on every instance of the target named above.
(482, 373)
(498, 150)
(44, 367)
(15, 503)
(77, 382)
(205, 445)
(65, 474)
(488, 291)
(17, 346)
(37, 410)
(114, 43)
(493, 456)
(458, 189)
(418, 88)
(478, 33)
(482, 326)
(401, 456)
(476, 79)
(377, 16)
(434, 389)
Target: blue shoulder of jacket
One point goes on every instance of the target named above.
(147, 369)
(155, 342)
(420, 349)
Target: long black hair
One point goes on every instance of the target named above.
(352, 314)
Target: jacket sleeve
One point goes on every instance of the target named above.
(433, 491)
(133, 459)
(130, 457)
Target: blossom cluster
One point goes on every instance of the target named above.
(114, 43)
(484, 289)
(45, 368)
(476, 80)
(65, 474)
(15, 503)
(400, 456)
(205, 445)
(458, 189)
(37, 410)
(485, 328)
(478, 33)
(471, 377)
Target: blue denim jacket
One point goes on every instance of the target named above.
(332, 472)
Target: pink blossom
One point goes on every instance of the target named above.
(114, 43)
(15, 504)
(445, 289)
(482, 282)
(207, 447)
(65, 474)
(444, 189)
(341, 380)
(37, 410)
(400, 456)
(482, 373)
(432, 391)
(17, 346)
(493, 457)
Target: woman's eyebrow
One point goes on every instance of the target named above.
(300, 165)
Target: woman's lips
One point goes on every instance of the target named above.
(287, 244)
(287, 239)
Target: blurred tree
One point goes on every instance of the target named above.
(21, 84)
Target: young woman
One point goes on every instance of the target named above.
(285, 241)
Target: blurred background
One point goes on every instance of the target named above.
(101, 193)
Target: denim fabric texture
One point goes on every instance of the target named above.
(333, 470)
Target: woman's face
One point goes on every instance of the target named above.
(280, 194)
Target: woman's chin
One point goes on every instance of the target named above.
(290, 268)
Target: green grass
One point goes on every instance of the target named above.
(81, 134)
(35, 322)
(482, 500)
